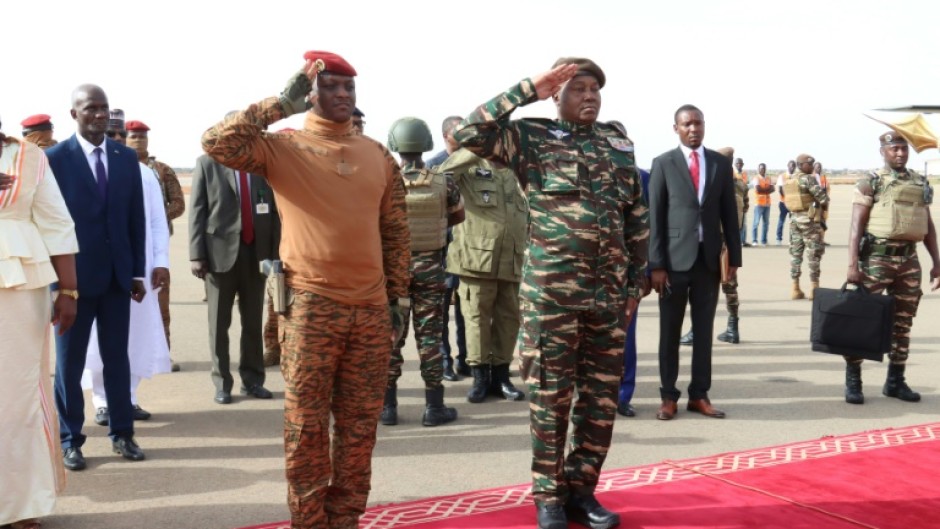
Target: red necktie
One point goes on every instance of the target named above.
(248, 226)
(693, 170)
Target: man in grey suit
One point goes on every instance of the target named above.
(233, 225)
(692, 209)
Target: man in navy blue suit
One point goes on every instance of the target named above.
(100, 181)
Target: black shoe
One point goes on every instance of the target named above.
(435, 412)
(257, 391)
(449, 374)
(102, 417)
(140, 414)
(127, 447)
(389, 415)
(174, 367)
(686, 339)
(501, 383)
(586, 511)
(551, 517)
(73, 459)
(463, 368)
(481, 383)
(626, 409)
(223, 397)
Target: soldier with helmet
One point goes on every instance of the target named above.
(433, 203)
(804, 196)
(582, 278)
(890, 215)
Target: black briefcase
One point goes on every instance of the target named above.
(852, 322)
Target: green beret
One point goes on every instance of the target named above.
(892, 138)
(586, 66)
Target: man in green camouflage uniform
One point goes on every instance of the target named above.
(805, 230)
(891, 213)
(582, 278)
(486, 254)
(434, 203)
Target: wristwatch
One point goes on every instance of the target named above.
(68, 292)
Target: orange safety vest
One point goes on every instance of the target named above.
(762, 199)
(823, 183)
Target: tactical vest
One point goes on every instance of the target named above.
(763, 200)
(900, 212)
(427, 210)
(796, 199)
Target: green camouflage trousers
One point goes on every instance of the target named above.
(563, 351)
(427, 297)
(490, 310)
(731, 296)
(806, 236)
(899, 276)
(334, 359)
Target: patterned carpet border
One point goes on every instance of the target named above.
(433, 509)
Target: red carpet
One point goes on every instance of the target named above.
(886, 479)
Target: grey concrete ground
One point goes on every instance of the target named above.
(221, 467)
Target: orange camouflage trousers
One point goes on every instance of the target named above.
(334, 358)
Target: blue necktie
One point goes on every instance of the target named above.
(101, 175)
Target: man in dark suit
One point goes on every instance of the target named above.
(101, 184)
(233, 225)
(692, 207)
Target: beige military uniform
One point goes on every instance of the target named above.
(487, 253)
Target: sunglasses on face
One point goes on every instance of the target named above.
(113, 133)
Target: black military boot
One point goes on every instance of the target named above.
(686, 339)
(389, 415)
(435, 413)
(586, 511)
(481, 382)
(896, 387)
(730, 335)
(853, 384)
(551, 516)
(501, 385)
(449, 374)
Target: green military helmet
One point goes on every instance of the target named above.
(410, 135)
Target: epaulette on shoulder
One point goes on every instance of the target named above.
(619, 127)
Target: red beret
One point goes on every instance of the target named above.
(331, 62)
(136, 126)
(37, 122)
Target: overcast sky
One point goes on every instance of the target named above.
(773, 78)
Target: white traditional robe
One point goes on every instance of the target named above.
(148, 351)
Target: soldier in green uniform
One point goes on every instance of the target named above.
(890, 215)
(582, 277)
(804, 196)
(434, 203)
(486, 254)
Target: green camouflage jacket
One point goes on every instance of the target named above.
(588, 222)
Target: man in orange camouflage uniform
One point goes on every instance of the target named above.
(345, 245)
(138, 139)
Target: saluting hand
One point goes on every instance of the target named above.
(549, 83)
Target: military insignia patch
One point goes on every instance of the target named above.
(620, 144)
(486, 197)
(484, 173)
(558, 134)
